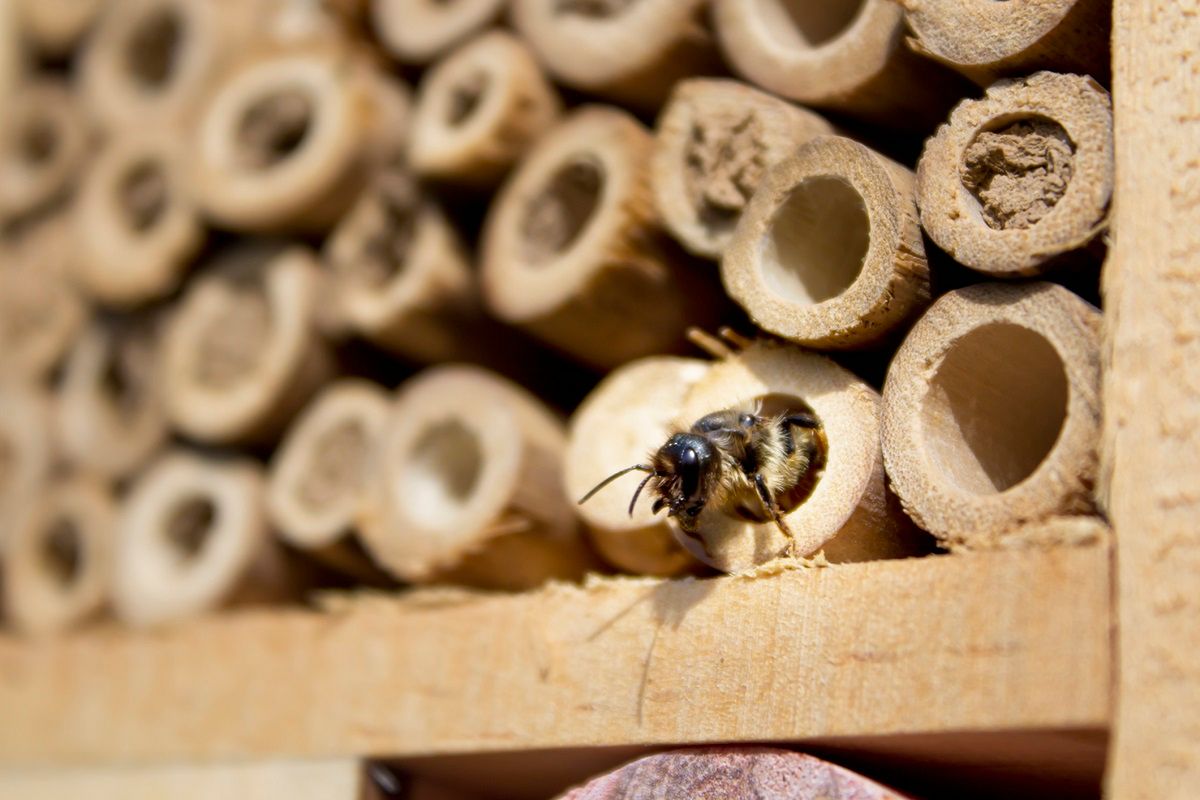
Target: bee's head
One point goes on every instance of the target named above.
(688, 461)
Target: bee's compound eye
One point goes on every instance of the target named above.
(688, 457)
(746, 420)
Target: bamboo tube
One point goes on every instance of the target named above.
(479, 110)
(848, 512)
(27, 452)
(151, 62)
(12, 55)
(986, 40)
(992, 411)
(242, 354)
(136, 228)
(401, 278)
(626, 51)
(466, 486)
(828, 252)
(319, 471)
(58, 568)
(55, 27)
(572, 251)
(715, 141)
(730, 773)
(192, 536)
(847, 55)
(289, 139)
(628, 415)
(421, 31)
(110, 417)
(43, 142)
(40, 311)
(1021, 177)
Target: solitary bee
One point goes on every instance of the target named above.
(735, 459)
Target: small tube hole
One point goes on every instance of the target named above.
(336, 464)
(143, 195)
(558, 215)
(817, 241)
(190, 526)
(466, 97)
(272, 129)
(231, 346)
(443, 471)
(153, 49)
(806, 24)
(995, 408)
(62, 551)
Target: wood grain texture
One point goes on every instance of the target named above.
(335, 779)
(940, 644)
(1152, 340)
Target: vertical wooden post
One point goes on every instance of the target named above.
(1152, 431)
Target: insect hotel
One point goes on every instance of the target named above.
(598, 399)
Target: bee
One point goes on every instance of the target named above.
(735, 459)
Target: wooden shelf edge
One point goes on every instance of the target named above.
(1015, 640)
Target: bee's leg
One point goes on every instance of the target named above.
(772, 508)
(802, 420)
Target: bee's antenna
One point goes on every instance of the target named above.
(735, 339)
(614, 476)
(709, 343)
(633, 502)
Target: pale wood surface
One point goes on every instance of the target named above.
(336, 779)
(996, 641)
(1152, 462)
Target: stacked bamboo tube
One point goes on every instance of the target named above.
(229, 230)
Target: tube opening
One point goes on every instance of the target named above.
(119, 383)
(143, 193)
(800, 469)
(336, 463)
(61, 551)
(806, 24)
(557, 215)
(817, 241)
(393, 227)
(190, 526)
(723, 164)
(1017, 168)
(466, 97)
(153, 49)
(273, 128)
(443, 472)
(231, 344)
(994, 408)
(38, 141)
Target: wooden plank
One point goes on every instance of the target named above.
(1152, 437)
(341, 779)
(1002, 640)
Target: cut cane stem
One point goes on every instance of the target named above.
(828, 252)
(55, 27)
(1020, 180)
(420, 31)
(242, 353)
(193, 537)
(43, 143)
(58, 568)
(988, 40)
(715, 142)
(318, 474)
(110, 414)
(479, 110)
(155, 60)
(288, 141)
(136, 228)
(401, 278)
(40, 310)
(573, 252)
(847, 55)
(844, 507)
(633, 51)
(625, 419)
(467, 486)
(27, 451)
(992, 412)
